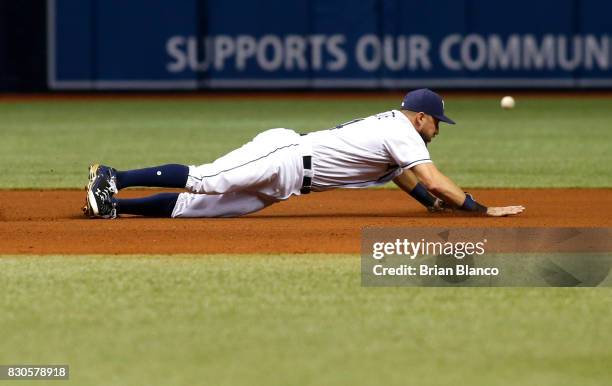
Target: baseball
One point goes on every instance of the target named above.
(507, 102)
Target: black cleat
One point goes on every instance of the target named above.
(100, 190)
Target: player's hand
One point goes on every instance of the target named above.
(500, 211)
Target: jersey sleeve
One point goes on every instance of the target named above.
(407, 148)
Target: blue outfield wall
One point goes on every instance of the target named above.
(191, 44)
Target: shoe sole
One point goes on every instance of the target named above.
(92, 206)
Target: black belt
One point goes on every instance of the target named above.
(307, 181)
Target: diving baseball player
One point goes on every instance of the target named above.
(280, 163)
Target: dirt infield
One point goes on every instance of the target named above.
(50, 222)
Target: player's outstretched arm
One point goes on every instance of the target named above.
(443, 187)
(409, 183)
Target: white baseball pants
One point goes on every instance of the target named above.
(262, 172)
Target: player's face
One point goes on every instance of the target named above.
(429, 127)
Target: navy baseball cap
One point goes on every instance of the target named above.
(426, 101)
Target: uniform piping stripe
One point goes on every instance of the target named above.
(244, 164)
(354, 183)
(413, 162)
(347, 184)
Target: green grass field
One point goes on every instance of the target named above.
(542, 143)
(291, 320)
(301, 319)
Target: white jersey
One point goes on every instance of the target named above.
(365, 152)
(273, 166)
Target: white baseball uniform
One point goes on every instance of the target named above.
(279, 163)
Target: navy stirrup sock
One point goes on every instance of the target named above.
(164, 176)
(159, 205)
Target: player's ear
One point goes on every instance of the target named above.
(420, 117)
